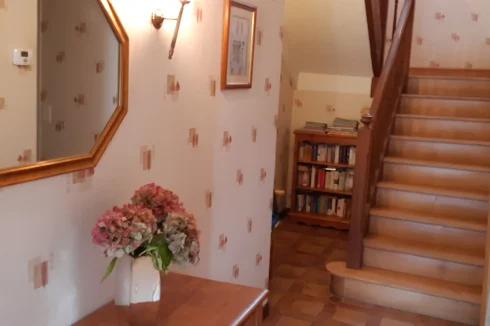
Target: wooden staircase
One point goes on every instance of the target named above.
(424, 250)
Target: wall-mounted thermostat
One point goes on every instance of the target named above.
(22, 57)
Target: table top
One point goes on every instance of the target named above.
(187, 300)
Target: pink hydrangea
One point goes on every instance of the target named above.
(122, 230)
(161, 201)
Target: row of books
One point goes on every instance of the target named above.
(324, 205)
(325, 178)
(327, 153)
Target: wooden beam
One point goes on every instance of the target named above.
(377, 14)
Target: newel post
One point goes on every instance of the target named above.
(360, 194)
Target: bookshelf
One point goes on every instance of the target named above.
(322, 178)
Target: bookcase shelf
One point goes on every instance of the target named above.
(339, 165)
(323, 199)
(321, 220)
(327, 191)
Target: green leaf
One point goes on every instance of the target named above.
(165, 256)
(110, 268)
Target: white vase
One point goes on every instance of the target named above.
(137, 281)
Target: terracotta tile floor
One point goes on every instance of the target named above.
(300, 293)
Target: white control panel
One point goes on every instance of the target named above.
(22, 57)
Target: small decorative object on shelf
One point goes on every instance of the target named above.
(143, 239)
(323, 178)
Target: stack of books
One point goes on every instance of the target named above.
(325, 178)
(327, 153)
(344, 126)
(315, 126)
(325, 205)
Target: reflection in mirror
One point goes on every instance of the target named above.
(70, 59)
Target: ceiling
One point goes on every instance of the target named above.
(327, 37)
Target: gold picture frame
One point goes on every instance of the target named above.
(238, 49)
(45, 169)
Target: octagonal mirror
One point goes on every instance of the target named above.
(63, 89)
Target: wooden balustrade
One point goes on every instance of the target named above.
(373, 137)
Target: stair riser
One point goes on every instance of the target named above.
(449, 108)
(450, 153)
(449, 87)
(428, 267)
(460, 130)
(418, 303)
(440, 177)
(426, 233)
(436, 204)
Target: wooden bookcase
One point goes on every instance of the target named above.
(319, 138)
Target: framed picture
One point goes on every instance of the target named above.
(238, 45)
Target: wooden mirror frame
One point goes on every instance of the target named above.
(50, 168)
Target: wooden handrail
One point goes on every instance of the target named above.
(372, 139)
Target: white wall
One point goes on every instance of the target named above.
(55, 215)
(17, 86)
(327, 37)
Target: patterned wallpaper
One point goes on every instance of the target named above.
(216, 149)
(17, 85)
(450, 34)
(78, 77)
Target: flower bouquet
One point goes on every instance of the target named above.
(155, 226)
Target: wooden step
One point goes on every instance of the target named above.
(445, 106)
(446, 175)
(438, 191)
(440, 150)
(431, 203)
(423, 266)
(430, 233)
(458, 222)
(423, 249)
(439, 127)
(449, 86)
(437, 164)
(432, 297)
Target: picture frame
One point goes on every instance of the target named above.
(238, 50)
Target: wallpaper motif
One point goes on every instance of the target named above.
(449, 34)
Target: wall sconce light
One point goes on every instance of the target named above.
(157, 18)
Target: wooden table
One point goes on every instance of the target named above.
(187, 300)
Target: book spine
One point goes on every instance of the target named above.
(353, 156)
(301, 152)
(321, 179)
(314, 152)
(308, 204)
(312, 177)
(342, 181)
(337, 154)
(339, 207)
(335, 180)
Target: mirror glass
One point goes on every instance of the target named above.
(59, 78)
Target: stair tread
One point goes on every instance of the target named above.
(459, 222)
(441, 140)
(437, 164)
(448, 192)
(429, 250)
(446, 97)
(438, 117)
(409, 282)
